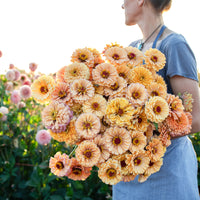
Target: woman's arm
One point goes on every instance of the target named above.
(182, 84)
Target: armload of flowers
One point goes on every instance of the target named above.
(115, 110)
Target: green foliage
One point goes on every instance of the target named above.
(24, 171)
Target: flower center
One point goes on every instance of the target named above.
(155, 150)
(87, 125)
(111, 173)
(81, 90)
(44, 89)
(132, 56)
(136, 141)
(136, 95)
(105, 74)
(115, 86)
(120, 111)
(173, 106)
(87, 153)
(151, 163)
(154, 59)
(117, 140)
(83, 57)
(59, 165)
(139, 120)
(95, 106)
(122, 74)
(116, 56)
(137, 161)
(154, 93)
(142, 78)
(62, 94)
(54, 115)
(123, 163)
(77, 170)
(157, 109)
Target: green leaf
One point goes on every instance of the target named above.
(56, 197)
(4, 178)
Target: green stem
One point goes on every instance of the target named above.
(73, 151)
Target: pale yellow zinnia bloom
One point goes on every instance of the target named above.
(156, 89)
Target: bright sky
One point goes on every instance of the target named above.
(48, 31)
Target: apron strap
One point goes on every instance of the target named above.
(158, 36)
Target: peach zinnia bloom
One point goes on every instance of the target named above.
(138, 162)
(155, 58)
(81, 90)
(105, 154)
(60, 164)
(108, 46)
(87, 153)
(123, 71)
(110, 172)
(155, 149)
(60, 75)
(156, 89)
(117, 88)
(120, 112)
(164, 136)
(78, 172)
(140, 75)
(76, 71)
(137, 94)
(138, 141)
(143, 177)
(156, 109)
(159, 79)
(134, 55)
(116, 55)
(104, 74)
(129, 177)
(42, 88)
(88, 125)
(84, 56)
(96, 105)
(61, 93)
(117, 140)
(187, 101)
(56, 116)
(154, 166)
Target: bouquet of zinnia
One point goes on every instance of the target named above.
(115, 110)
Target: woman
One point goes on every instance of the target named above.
(177, 178)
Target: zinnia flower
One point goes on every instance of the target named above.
(3, 113)
(164, 136)
(81, 90)
(143, 177)
(116, 55)
(10, 75)
(21, 104)
(23, 77)
(187, 101)
(42, 88)
(108, 46)
(60, 164)
(60, 74)
(154, 166)
(159, 79)
(137, 94)
(33, 66)
(129, 177)
(109, 172)
(104, 74)
(138, 141)
(43, 137)
(156, 109)
(88, 125)
(25, 92)
(117, 140)
(96, 105)
(87, 153)
(9, 86)
(120, 112)
(83, 56)
(138, 162)
(56, 116)
(76, 71)
(61, 93)
(17, 75)
(155, 58)
(123, 71)
(11, 66)
(155, 149)
(140, 75)
(134, 55)
(77, 171)
(156, 89)
(15, 97)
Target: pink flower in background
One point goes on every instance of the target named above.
(3, 112)
(0, 54)
(27, 82)
(17, 75)
(9, 86)
(33, 66)
(15, 97)
(11, 66)
(21, 104)
(10, 75)
(23, 77)
(25, 92)
(43, 137)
